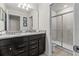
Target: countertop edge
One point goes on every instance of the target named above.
(5, 36)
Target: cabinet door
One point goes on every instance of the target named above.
(41, 45)
(37, 44)
(20, 46)
(33, 49)
(6, 50)
(68, 31)
(33, 52)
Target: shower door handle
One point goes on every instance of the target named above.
(76, 48)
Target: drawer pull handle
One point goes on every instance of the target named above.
(21, 51)
(10, 48)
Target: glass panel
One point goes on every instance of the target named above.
(14, 23)
(53, 28)
(68, 30)
(0, 13)
(59, 30)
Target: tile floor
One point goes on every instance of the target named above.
(60, 51)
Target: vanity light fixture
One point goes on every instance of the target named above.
(24, 6)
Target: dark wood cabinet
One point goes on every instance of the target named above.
(32, 45)
(33, 52)
(41, 45)
(6, 51)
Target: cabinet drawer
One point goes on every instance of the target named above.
(5, 42)
(23, 54)
(17, 40)
(34, 46)
(25, 38)
(34, 52)
(25, 44)
(35, 36)
(41, 51)
(21, 48)
(33, 42)
(41, 40)
(19, 51)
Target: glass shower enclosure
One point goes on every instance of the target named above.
(62, 24)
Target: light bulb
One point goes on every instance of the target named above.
(29, 6)
(24, 6)
(65, 6)
(19, 5)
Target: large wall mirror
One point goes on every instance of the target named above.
(19, 20)
(27, 20)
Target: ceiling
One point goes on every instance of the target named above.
(59, 6)
(13, 6)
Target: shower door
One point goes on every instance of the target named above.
(53, 30)
(62, 30)
(68, 31)
(57, 30)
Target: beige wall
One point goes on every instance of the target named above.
(44, 24)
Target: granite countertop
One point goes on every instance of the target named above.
(9, 35)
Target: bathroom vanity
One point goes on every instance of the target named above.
(22, 44)
(21, 37)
